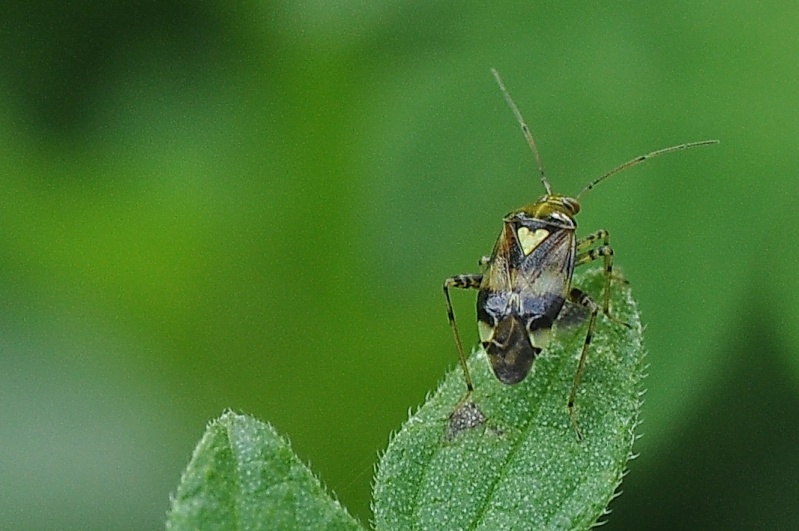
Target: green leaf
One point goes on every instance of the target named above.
(521, 465)
(243, 475)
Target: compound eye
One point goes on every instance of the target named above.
(571, 204)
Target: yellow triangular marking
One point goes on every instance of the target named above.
(529, 240)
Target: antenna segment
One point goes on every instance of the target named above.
(525, 130)
(641, 158)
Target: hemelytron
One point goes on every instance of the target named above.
(527, 278)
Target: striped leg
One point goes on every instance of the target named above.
(587, 254)
(578, 297)
(463, 282)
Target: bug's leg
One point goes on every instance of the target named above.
(586, 254)
(578, 297)
(463, 282)
(484, 260)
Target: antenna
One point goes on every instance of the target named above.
(641, 158)
(525, 130)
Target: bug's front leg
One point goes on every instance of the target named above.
(463, 282)
(586, 253)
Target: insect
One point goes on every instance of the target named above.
(527, 278)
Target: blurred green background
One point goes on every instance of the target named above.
(252, 206)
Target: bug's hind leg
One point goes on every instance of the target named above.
(578, 297)
(463, 282)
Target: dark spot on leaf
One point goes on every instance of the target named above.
(465, 417)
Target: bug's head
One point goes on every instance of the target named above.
(553, 207)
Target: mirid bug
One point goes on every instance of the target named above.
(527, 278)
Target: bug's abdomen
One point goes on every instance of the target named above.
(509, 350)
(514, 330)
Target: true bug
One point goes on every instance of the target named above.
(527, 278)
